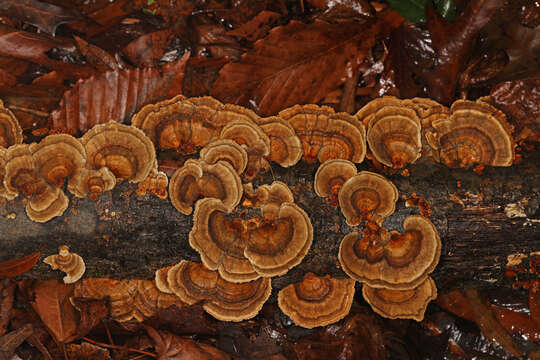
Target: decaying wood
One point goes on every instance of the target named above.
(481, 219)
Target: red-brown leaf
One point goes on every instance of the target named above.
(146, 50)
(116, 95)
(16, 267)
(257, 27)
(86, 351)
(7, 288)
(297, 64)
(97, 57)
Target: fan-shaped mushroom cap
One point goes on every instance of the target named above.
(365, 114)
(224, 300)
(474, 133)
(57, 157)
(4, 192)
(407, 259)
(68, 262)
(156, 183)
(225, 150)
(196, 180)
(20, 173)
(252, 137)
(394, 136)
(331, 176)
(326, 134)
(149, 299)
(317, 301)
(367, 193)
(285, 146)
(46, 203)
(10, 130)
(91, 183)
(401, 304)
(139, 118)
(124, 149)
(161, 280)
(273, 196)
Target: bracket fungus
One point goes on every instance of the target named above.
(20, 174)
(243, 250)
(156, 183)
(474, 133)
(330, 177)
(403, 260)
(196, 180)
(401, 304)
(10, 130)
(365, 195)
(46, 202)
(317, 301)
(326, 134)
(224, 300)
(4, 192)
(57, 157)
(91, 183)
(285, 146)
(68, 262)
(225, 150)
(124, 149)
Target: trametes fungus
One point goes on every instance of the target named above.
(46, 202)
(156, 183)
(225, 150)
(91, 183)
(401, 304)
(331, 176)
(474, 133)
(273, 196)
(367, 195)
(253, 139)
(243, 250)
(326, 134)
(285, 146)
(58, 157)
(4, 192)
(196, 180)
(404, 260)
(317, 301)
(68, 262)
(149, 299)
(20, 173)
(125, 150)
(224, 300)
(10, 130)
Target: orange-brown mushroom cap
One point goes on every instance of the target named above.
(161, 279)
(4, 192)
(273, 196)
(474, 133)
(156, 183)
(224, 300)
(124, 149)
(196, 180)
(285, 146)
(58, 157)
(225, 150)
(91, 183)
(317, 301)
(20, 173)
(331, 175)
(365, 114)
(46, 203)
(70, 263)
(366, 194)
(326, 134)
(407, 259)
(401, 304)
(10, 130)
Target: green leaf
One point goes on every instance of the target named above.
(447, 8)
(413, 10)
(150, 2)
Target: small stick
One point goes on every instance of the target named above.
(119, 347)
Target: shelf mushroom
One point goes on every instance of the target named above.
(285, 146)
(330, 177)
(196, 179)
(4, 192)
(10, 129)
(68, 262)
(225, 150)
(326, 134)
(20, 173)
(401, 304)
(405, 259)
(317, 301)
(224, 300)
(46, 202)
(91, 183)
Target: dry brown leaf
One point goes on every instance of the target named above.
(7, 288)
(86, 351)
(116, 95)
(257, 27)
(97, 57)
(11, 341)
(148, 49)
(16, 267)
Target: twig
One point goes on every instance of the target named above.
(119, 347)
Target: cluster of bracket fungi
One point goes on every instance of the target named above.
(246, 235)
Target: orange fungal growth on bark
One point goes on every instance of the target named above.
(70, 263)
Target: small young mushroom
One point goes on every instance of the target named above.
(365, 195)
(57, 157)
(404, 261)
(474, 133)
(326, 134)
(91, 183)
(225, 150)
(156, 183)
(401, 304)
(196, 180)
(124, 149)
(224, 300)
(285, 146)
(10, 130)
(317, 301)
(331, 176)
(68, 262)
(46, 202)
